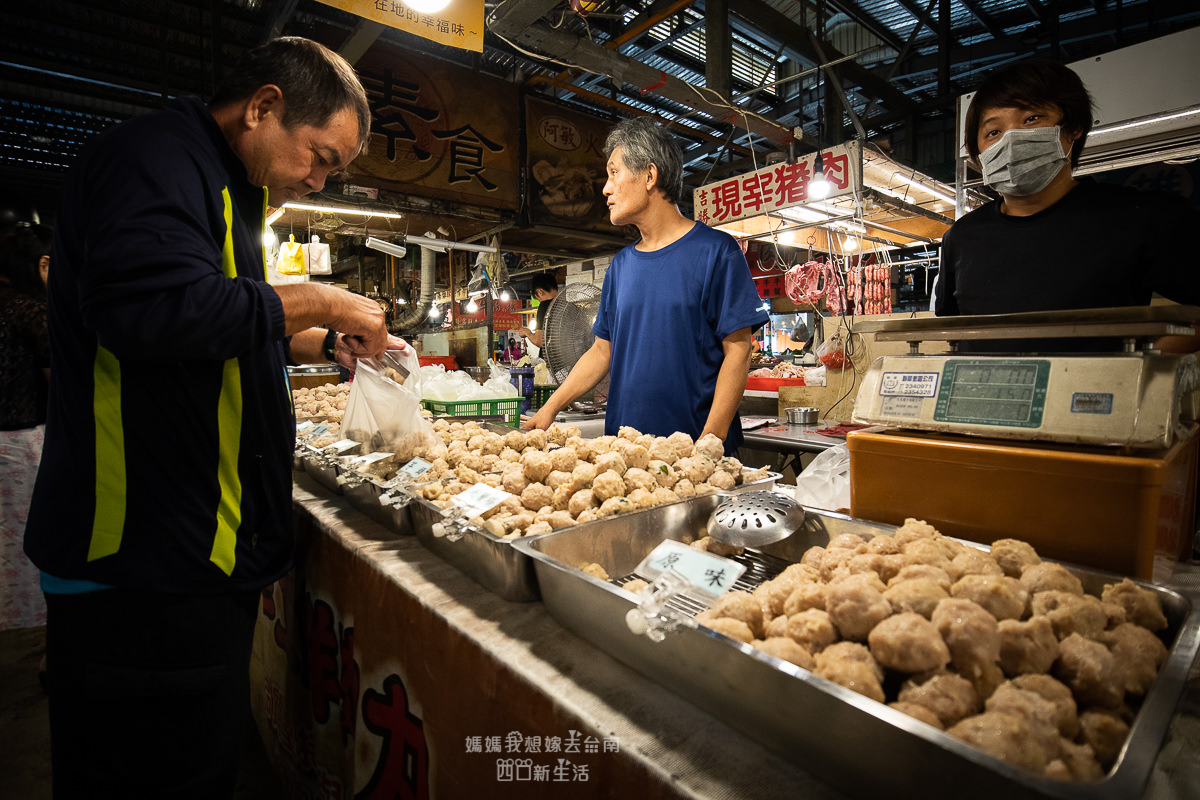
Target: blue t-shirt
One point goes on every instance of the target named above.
(665, 313)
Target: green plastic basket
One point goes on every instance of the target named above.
(540, 395)
(508, 407)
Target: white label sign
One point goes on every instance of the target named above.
(480, 499)
(416, 468)
(902, 406)
(709, 575)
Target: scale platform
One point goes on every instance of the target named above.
(1134, 398)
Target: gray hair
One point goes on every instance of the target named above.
(644, 142)
(316, 83)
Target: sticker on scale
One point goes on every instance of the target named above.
(1091, 403)
(902, 406)
(909, 384)
(709, 575)
(479, 499)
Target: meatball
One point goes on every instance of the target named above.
(536, 465)
(1003, 736)
(558, 478)
(975, 562)
(856, 606)
(663, 473)
(851, 665)
(682, 443)
(1001, 595)
(1065, 713)
(1105, 732)
(628, 433)
(634, 455)
(785, 649)
(951, 697)
(513, 480)
(914, 529)
(1070, 613)
(685, 488)
(1035, 709)
(918, 712)
(580, 501)
(557, 519)
(608, 484)
(1048, 576)
(1142, 606)
(969, 631)
(711, 446)
(535, 439)
(516, 440)
(613, 506)
(1137, 655)
(733, 628)
(1027, 647)
(695, 468)
(641, 498)
(919, 595)
(638, 478)
(583, 475)
(1090, 670)
(562, 496)
(908, 642)
(805, 596)
(634, 586)
(721, 480)
(536, 496)
(743, 606)
(1014, 556)
(1076, 762)
(610, 462)
(811, 629)
(663, 450)
(662, 496)
(911, 571)
(884, 545)
(847, 541)
(563, 459)
(707, 544)
(778, 589)
(596, 571)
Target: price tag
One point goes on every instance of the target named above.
(341, 446)
(371, 458)
(319, 429)
(708, 575)
(415, 468)
(303, 427)
(479, 499)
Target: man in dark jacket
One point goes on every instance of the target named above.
(162, 504)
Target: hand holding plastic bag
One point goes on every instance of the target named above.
(385, 416)
(825, 483)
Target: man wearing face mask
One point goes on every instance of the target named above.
(1051, 241)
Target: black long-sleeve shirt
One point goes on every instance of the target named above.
(170, 427)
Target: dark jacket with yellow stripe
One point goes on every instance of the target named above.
(169, 429)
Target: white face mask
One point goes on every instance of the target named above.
(1024, 161)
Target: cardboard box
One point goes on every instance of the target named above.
(1097, 507)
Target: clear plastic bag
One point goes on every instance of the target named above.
(385, 416)
(316, 257)
(832, 353)
(825, 483)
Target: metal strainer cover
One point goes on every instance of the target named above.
(753, 519)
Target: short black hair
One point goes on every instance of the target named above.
(315, 81)
(544, 281)
(1029, 85)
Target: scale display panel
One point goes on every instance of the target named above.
(1000, 392)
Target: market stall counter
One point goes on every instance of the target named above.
(380, 670)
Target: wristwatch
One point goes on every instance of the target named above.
(327, 347)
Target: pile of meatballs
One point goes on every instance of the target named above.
(326, 402)
(557, 478)
(1000, 649)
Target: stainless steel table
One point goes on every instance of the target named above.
(785, 438)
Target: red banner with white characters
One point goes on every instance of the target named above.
(777, 187)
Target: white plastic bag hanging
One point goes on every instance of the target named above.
(825, 483)
(316, 257)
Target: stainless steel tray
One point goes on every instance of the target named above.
(841, 736)
(491, 561)
(363, 492)
(323, 470)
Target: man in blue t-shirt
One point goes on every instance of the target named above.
(677, 310)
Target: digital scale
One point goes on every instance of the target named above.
(1134, 398)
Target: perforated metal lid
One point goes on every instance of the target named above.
(753, 519)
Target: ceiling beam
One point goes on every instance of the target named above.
(774, 26)
(511, 20)
(984, 19)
